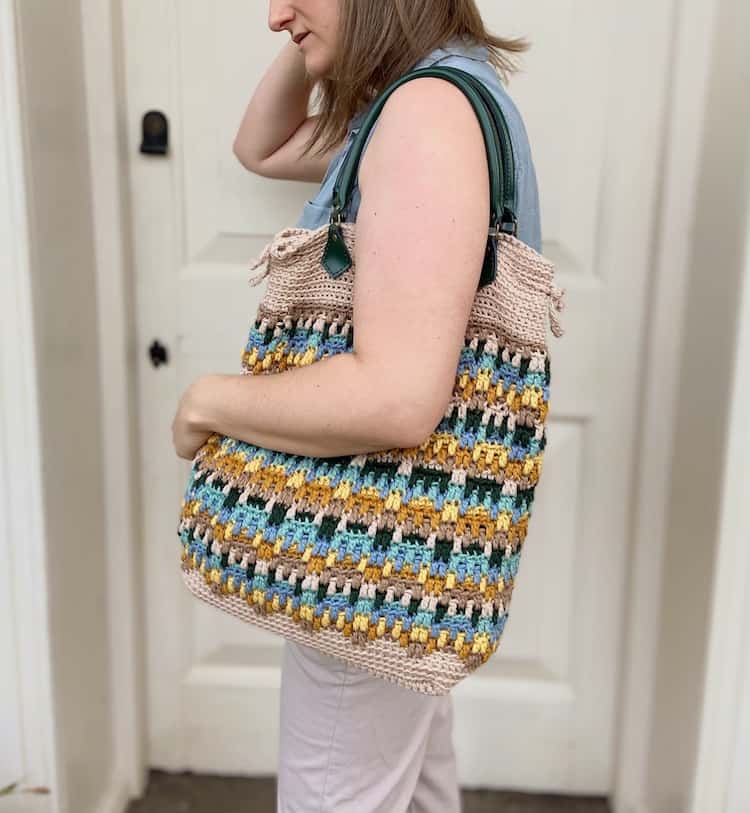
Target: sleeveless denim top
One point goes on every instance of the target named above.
(472, 58)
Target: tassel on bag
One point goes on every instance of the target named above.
(265, 256)
(557, 304)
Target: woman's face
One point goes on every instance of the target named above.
(318, 20)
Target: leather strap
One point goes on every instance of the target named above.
(336, 258)
(506, 146)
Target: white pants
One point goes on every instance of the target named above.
(351, 741)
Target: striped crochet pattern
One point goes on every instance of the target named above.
(401, 562)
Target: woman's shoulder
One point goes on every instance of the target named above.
(472, 57)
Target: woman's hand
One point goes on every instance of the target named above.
(189, 432)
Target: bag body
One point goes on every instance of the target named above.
(402, 561)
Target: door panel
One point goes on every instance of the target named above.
(540, 715)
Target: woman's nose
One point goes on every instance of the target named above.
(279, 14)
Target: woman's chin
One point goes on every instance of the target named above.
(317, 68)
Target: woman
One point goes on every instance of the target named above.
(348, 739)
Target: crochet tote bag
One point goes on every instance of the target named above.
(401, 562)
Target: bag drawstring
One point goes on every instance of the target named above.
(265, 256)
(556, 306)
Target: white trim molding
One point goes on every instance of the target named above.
(105, 94)
(694, 22)
(722, 781)
(23, 539)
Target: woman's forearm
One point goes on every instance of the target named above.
(277, 108)
(336, 406)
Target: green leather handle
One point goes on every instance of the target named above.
(336, 258)
(506, 146)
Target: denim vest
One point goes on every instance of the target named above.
(473, 59)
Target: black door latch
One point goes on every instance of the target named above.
(154, 133)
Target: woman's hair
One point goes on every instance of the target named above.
(382, 40)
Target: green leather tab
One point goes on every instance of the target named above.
(489, 266)
(336, 258)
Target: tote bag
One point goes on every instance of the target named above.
(400, 561)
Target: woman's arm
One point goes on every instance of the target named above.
(421, 234)
(276, 125)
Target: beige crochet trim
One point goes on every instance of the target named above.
(435, 673)
(518, 303)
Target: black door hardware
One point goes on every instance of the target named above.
(154, 133)
(158, 353)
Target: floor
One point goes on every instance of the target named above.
(193, 793)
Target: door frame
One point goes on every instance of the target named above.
(104, 70)
(103, 61)
(685, 106)
(41, 752)
(724, 739)
(26, 673)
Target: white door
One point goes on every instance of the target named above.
(541, 715)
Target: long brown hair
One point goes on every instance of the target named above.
(384, 39)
